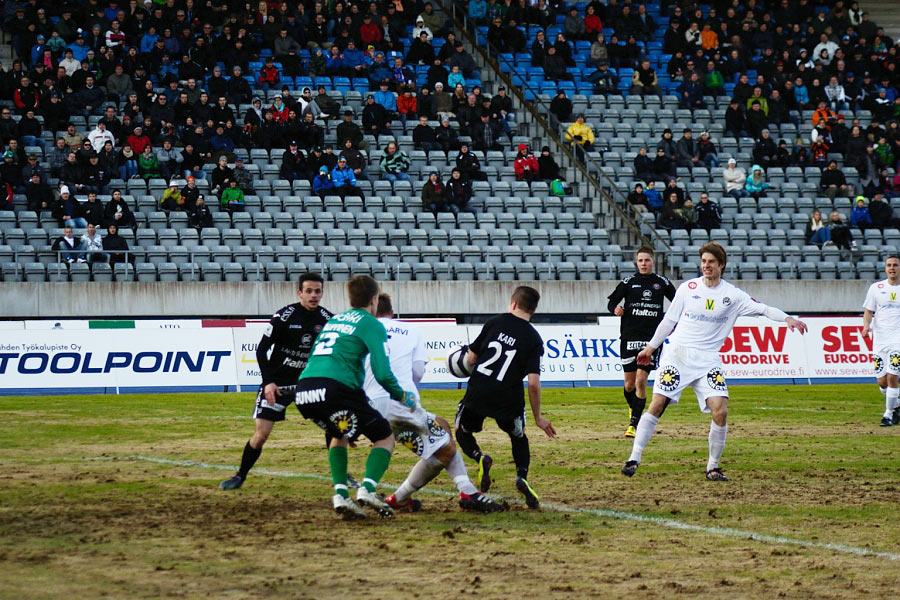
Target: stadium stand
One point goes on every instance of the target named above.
(272, 99)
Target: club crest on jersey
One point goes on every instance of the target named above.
(345, 421)
(726, 301)
(411, 440)
(434, 428)
(878, 365)
(656, 286)
(895, 359)
(692, 285)
(716, 379)
(317, 328)
(710, 304)
(880, 286)
(669, 378)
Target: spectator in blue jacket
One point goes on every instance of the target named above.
(386, 98)
(379, 71)
(860, 216)
(322, 183)
(478, 12)
(344, 180)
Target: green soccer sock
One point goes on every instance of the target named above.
(376, 465)
(337, 459)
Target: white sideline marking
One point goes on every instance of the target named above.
(600, 512)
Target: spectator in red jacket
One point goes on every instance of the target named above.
(370, 33)
(139, 140)
(268, 76)
(407, 104)
(526, 165)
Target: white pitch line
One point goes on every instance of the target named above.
(600, 512)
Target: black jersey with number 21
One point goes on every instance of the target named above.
(508, 349)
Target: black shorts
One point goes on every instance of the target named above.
(262, 410)
(629, 349)
(472, 421)
(340, 411)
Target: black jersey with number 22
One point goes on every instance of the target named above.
(508, 349)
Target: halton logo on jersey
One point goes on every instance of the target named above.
(716, 380)
(346, 422)
(669, 378)
(411, 440)
(878, 365)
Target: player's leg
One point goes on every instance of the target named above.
(892, 399)
(521, 451)
(718, 432)
(640, 393)
(628, 390)
(378, 430)
(265, 418)
(337, 462)
(644, 431)
(468, 423)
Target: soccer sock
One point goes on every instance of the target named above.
(456, 469)
(337, 460)
(629, 399)
(891, 401)
(717, 437)
(637, 409)
(421, 473)
(646, 427)
(376, 465)
(468, 444)
(521, 455)
(248, 459)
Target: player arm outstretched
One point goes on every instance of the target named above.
(534, 399)
(868, 315)
(753, 307)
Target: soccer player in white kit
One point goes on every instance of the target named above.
(704, 309)
(426, 435)
(881, 320)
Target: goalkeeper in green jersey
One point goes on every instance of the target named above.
(329, 393)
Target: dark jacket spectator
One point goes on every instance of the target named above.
(116, 246)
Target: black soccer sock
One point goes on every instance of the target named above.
(629, 398)
(637, 408)
(248, 459)
(468, 444)
(521, 455)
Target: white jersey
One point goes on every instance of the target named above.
(405, 346)
(706, 315)
(883, 299)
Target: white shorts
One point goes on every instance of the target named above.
(416, 430)
(887, 361)
(681, 367)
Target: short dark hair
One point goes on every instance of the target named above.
(890, 256)
(526, 298)
(385, 308)
(716, 249)
(361, 289)
(644, 250)
(309, 276)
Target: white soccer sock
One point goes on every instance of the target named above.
(457, 471)
(643, 433)
(421, 473)
(891, 401)
(717, 437)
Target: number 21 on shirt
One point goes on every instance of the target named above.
(497, 349)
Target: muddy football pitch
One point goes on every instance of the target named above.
(117, 497)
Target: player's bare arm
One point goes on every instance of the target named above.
(534, 399)
(867, 323)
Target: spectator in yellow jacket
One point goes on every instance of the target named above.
(581, 136)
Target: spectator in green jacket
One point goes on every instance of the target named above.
(713, 81)
(232, 198)
(148, 164)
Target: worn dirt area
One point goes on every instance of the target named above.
(83, 516)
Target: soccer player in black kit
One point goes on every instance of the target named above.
(643, 293)
(290, 335)
(506, 351)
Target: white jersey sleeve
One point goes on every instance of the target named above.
(883, 299)
(869, 303)
(403, 344)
